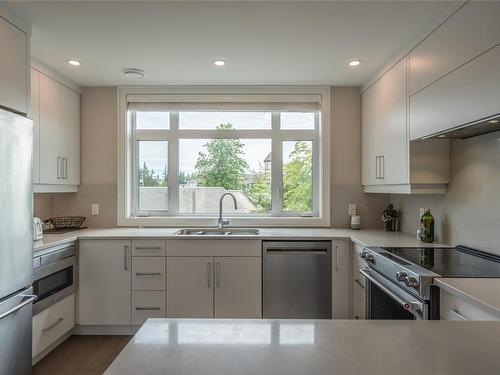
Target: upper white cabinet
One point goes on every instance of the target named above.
(454, 75)
(467, 94)
(14, 67)
(104, 282)
(390, 163)
(472, 30)
(55, 110)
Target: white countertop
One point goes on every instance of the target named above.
(362, 237)
(483, 291)
(288, 347)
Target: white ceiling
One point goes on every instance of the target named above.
(263, 42)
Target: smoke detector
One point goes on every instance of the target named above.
(133, 73)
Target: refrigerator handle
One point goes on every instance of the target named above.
(31, 298)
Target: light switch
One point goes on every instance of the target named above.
(352, 209)
(95, 208)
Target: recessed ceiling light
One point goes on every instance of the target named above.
(494, 121)
(354, 62)
(74, 62)
(219, 62)
(133, 73)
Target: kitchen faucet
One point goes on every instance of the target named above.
(221, 222)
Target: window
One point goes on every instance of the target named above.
(182, 156)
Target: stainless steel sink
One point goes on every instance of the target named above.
(217, 232)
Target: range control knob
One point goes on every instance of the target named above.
(411, 282)
(369, 258)
(401, 276)
(363, 254)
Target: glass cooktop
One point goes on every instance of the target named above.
(451, 262)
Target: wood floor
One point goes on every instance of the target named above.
(82, 355)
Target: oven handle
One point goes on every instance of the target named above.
(412, 306)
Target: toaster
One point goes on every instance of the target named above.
(37, 229)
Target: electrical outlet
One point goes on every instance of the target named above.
(352, 209)
(95, 208)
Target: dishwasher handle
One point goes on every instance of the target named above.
(298, 251)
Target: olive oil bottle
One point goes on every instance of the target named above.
(427, 226)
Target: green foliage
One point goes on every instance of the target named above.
(260, 191)
(148, 177)
(297, 179)
(184, 178)
(221, 164)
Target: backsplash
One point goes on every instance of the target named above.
(469, 213)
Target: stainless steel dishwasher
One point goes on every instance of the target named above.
(297, 279)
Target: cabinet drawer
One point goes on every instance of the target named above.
(148, 273)
(52, 323)
(147, 248)
(453, 307)
(147, 304)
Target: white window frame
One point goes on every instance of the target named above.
(127, 153)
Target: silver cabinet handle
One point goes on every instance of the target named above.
(217, 275)
(65, 168)
(337, 259)
(382, 167)
(147, 248)
(146, 308)
(148, 273)
(359, 283)
(456, 314)
(125, 258)
(31, 298)
(376, 167)
(60, 320)
(209, 274)
(58, 167)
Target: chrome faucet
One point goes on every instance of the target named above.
(221, 222)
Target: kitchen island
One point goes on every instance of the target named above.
(307, 347)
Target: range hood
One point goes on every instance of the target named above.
(472, 129)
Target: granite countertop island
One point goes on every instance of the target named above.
(310, 347)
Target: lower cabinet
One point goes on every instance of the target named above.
(358, 295)
(52, 323)
(147, 304)
(104, 292)
(220, 287)
(341, 272)
(455, 307)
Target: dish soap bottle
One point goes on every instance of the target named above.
(427, 226)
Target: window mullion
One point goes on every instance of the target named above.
(276, 166)
(316, 161)
(173, 164)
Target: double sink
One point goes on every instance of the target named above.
(217, 232)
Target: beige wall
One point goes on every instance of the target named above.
(98, 163)
(469, 213)
(346, 162)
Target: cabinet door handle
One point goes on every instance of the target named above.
(217, 275)
(47, 329)
(58, 167)
(125, 258)
(337, 259)
(382, 167)
(209, 274)
(148, 273)
(146, 308)
(376, 167)
(148, 248)
(65, 168)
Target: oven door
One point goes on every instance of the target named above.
(53, 283)
(386, 300)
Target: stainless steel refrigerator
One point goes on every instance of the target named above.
(16, 243)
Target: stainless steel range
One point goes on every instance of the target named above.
(399, 281)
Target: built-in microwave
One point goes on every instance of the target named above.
(54, 277)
